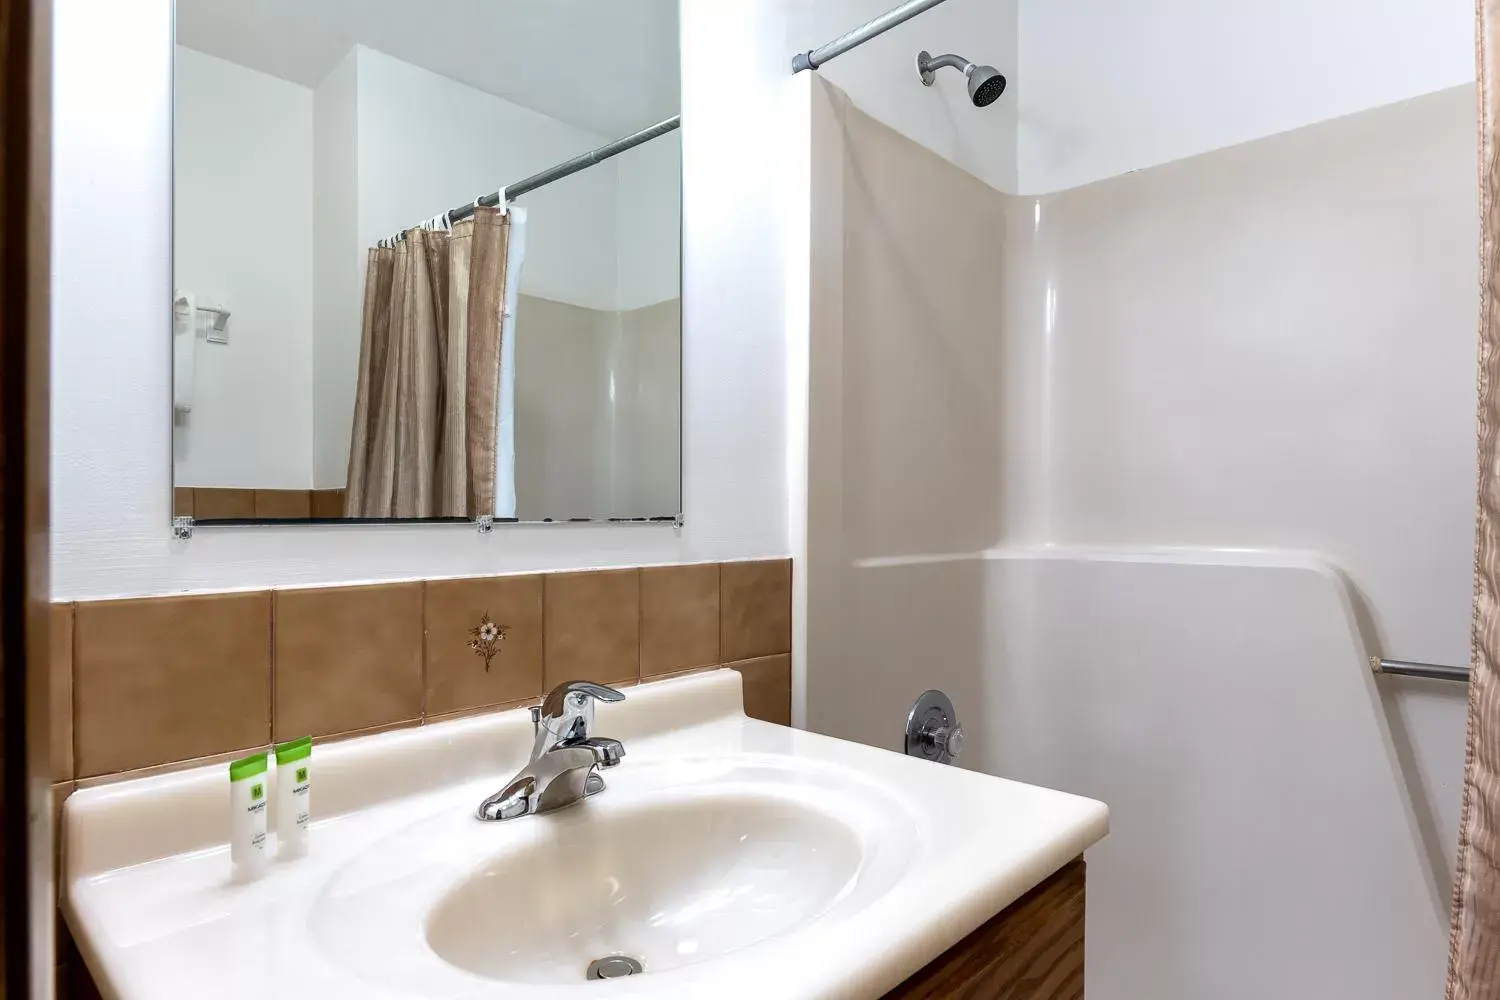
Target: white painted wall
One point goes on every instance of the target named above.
(1107, 87)
(243, 241)
(111, 476)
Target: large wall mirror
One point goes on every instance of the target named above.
(362, 331)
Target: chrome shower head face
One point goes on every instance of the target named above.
(985, 82)
(985, 85)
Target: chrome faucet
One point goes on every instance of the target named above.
(565, 758)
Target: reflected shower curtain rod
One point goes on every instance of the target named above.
(860, 35)
(566, 169)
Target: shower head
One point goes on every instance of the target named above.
(985, 82)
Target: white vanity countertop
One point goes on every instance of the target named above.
(149, 900)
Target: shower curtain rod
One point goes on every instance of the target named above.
(1408, 668)
(566, 169)
(857, 37)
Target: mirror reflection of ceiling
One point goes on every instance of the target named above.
(607, 66)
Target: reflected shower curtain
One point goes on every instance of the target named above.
(429, 374)
(1474, 951)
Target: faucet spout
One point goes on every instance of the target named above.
(607, 752)
(565, 761)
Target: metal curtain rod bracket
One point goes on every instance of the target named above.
(1408, 668)
(860, 35)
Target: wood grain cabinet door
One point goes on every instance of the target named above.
(1032, 951)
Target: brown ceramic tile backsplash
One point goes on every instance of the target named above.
(593, 626)
(213, 503)
(222, 504)
(756, 602)
(169, 678)
(327, 503)
(679, 618)
(282, 505)
(464, 670)
(160, 681)
(768, 687)
(347, 658)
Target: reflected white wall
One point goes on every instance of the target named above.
(243, 232)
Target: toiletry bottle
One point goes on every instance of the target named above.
(247, 797)
(293, 797)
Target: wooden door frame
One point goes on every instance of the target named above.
(27, 904)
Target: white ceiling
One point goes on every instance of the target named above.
(608, 66)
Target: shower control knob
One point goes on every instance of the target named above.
(949, 740)
(932, 729)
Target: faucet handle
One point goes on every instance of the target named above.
(556, 704)
(568, 713)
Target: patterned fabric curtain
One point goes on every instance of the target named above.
(1474, 950)
(429, 374)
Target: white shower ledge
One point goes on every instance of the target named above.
(734, 857)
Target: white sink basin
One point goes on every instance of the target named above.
(668, 883)
(733, 859)
(679, 862)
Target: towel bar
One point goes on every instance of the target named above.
(1407, 668)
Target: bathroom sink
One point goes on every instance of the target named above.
(727, 858)
(680, 861)
(666, 884)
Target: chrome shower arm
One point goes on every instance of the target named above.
(931, 64)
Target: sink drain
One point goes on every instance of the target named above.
(614, 967)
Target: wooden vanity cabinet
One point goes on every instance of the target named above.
(1033, 950)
